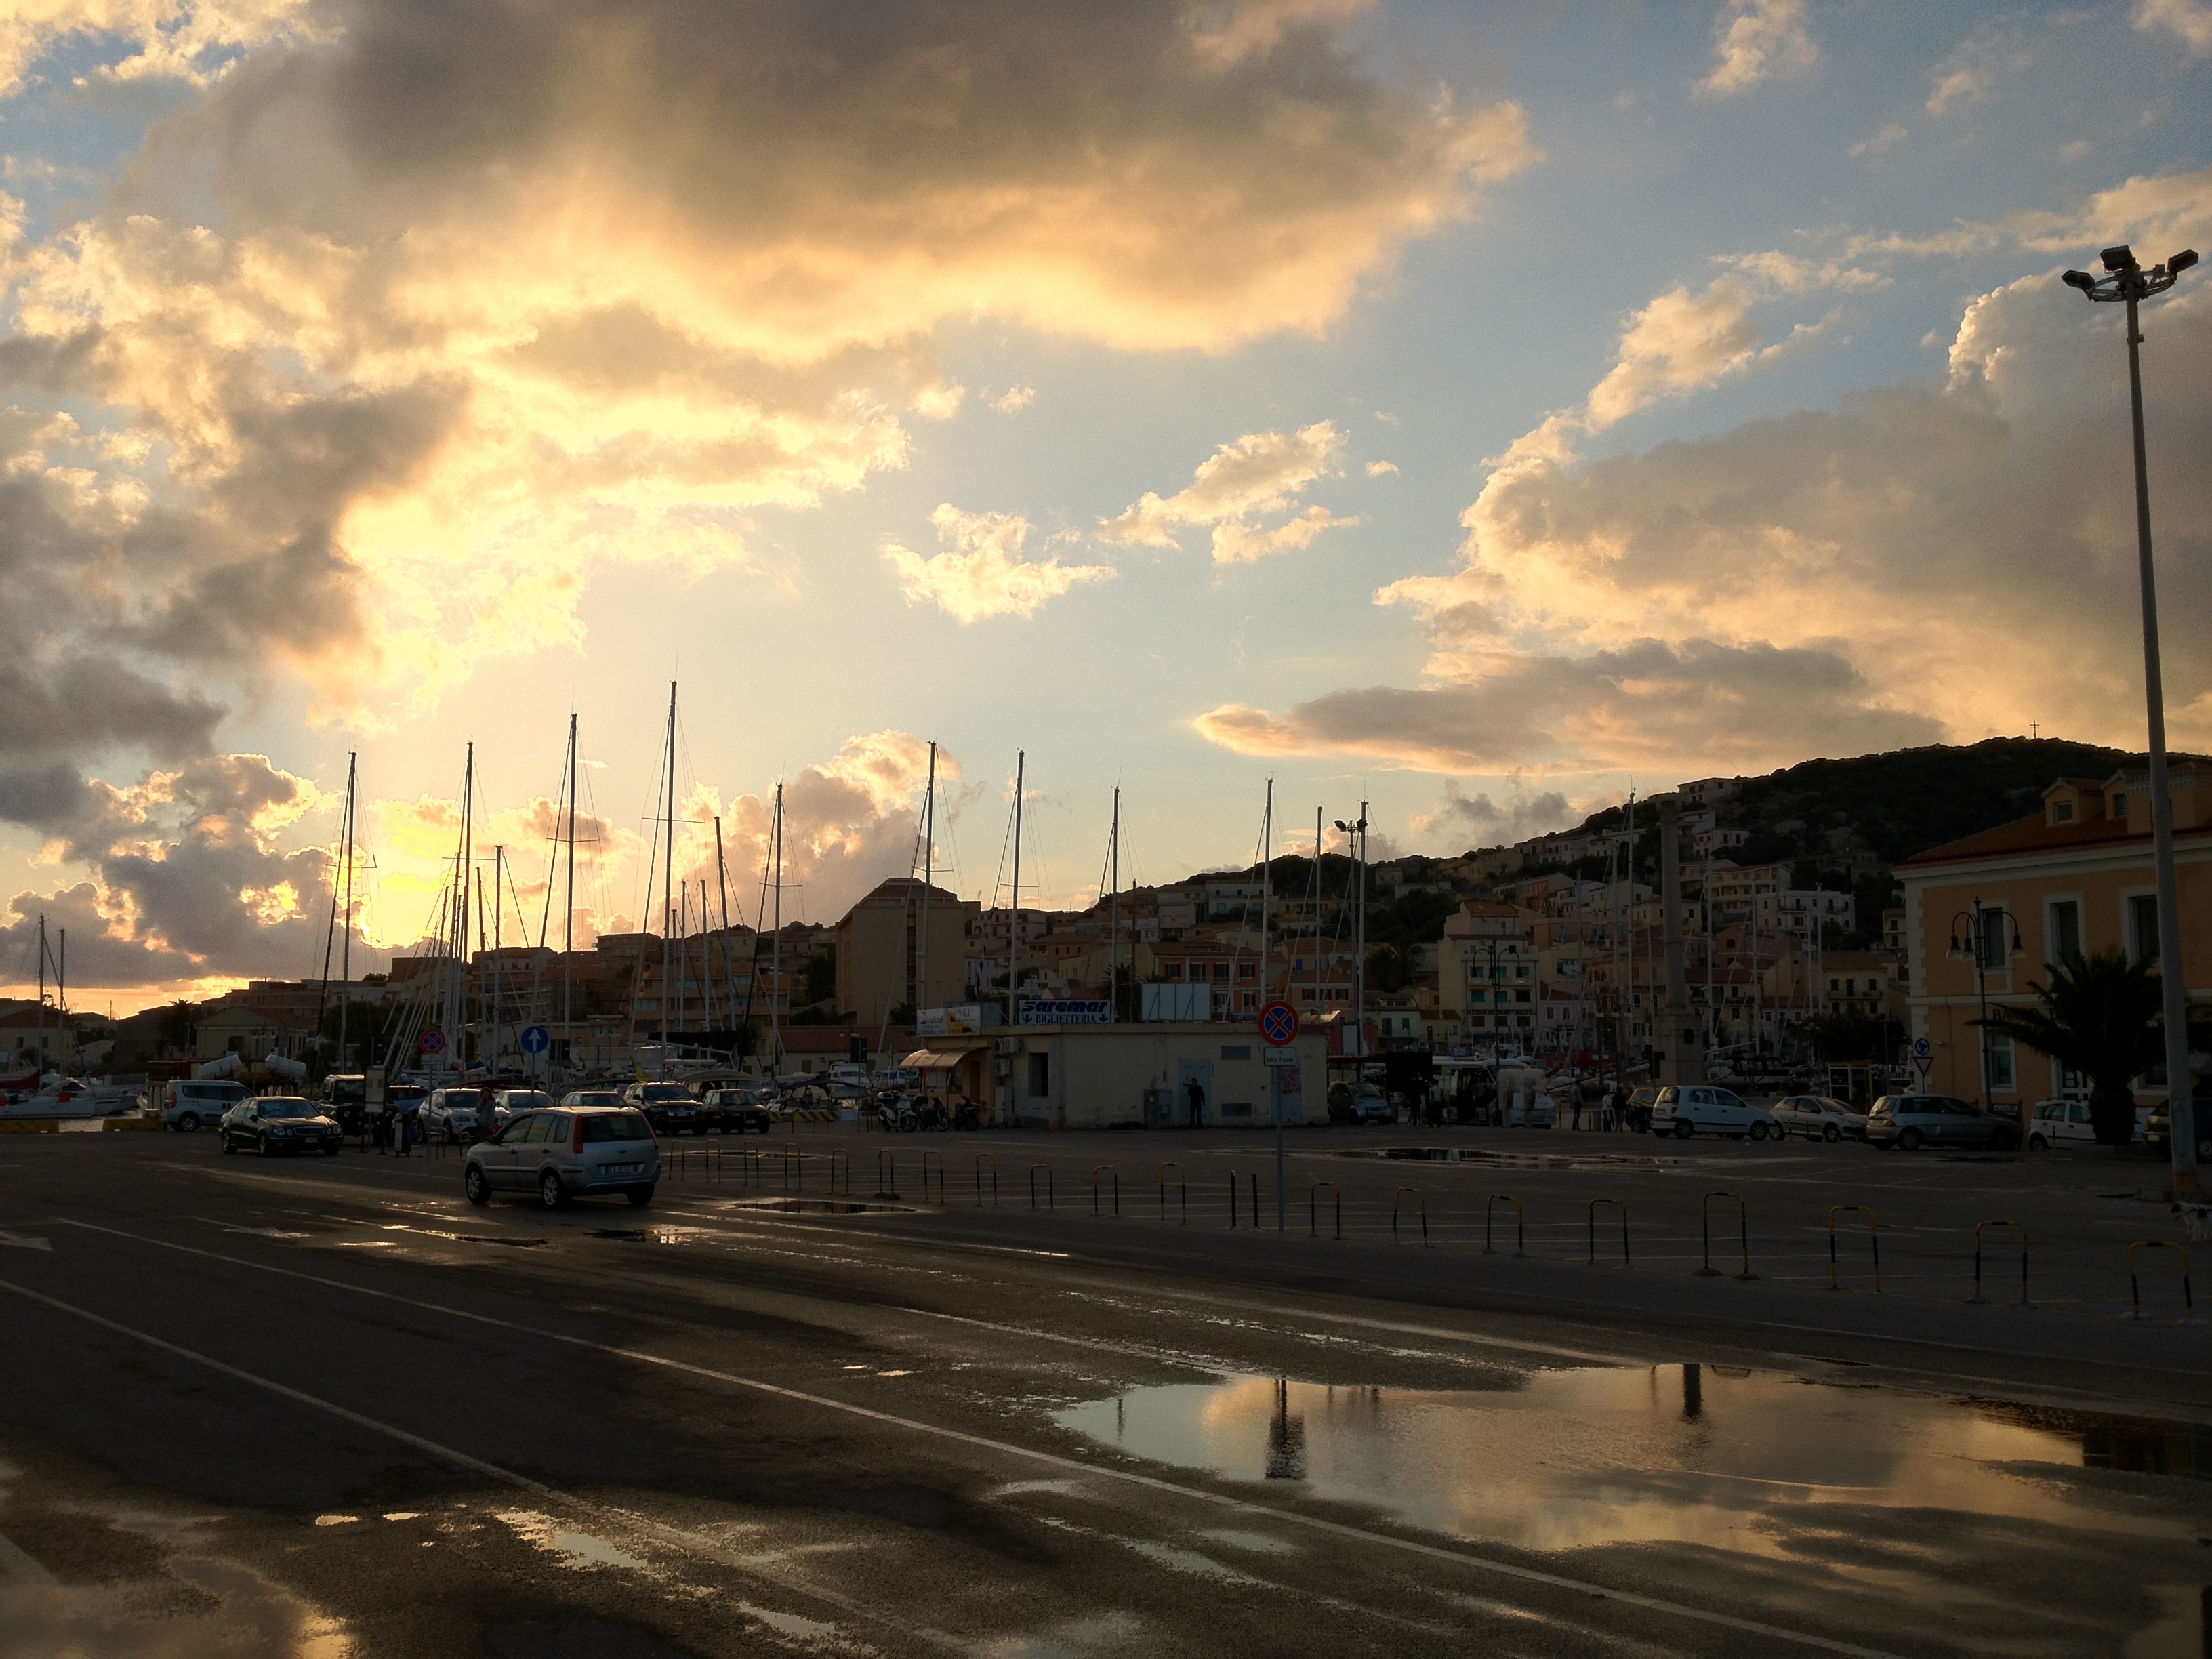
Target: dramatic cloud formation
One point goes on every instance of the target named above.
(426, 312)
(1928, 560)
(1462, 822)
(982, 572)
(1757, 40)
(1242, 481)
(2192, 20)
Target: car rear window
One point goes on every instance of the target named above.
(616, 1125)
(282, 1107)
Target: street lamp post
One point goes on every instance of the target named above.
(1976, 934)
(2127, 283)
(1355, 842)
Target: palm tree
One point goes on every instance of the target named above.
(2099, 1016)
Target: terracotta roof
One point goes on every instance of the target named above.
(2032, 834)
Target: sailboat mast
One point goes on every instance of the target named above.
(775, 945)
(1113, 911)
(1267, 875)
(457, 970)
(42, 1002)
(569, 910)
(498, 936)
(667, 873)
(1317, 897)
(1014, 935)
(345, 944)
(729, 987)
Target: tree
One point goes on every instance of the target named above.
(1390, 967)
(2099, 1016)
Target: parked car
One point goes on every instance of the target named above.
(508, 1104)
(1365, 1104)
(565, 1153)
(455, 1113)
(189, 1102)
(2154, 1124)
(733, 1111)
(593, 1098)
(1819, 1117)
(2067, 1123)
(1640, 1102)
(671, 1108)
(1693, 1109)
(280, 1123)
(1910, 1121)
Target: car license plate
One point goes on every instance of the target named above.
(623, 1169)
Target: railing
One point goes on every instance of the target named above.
(794, 1170)
(886, 1174)
(1232, 1201)
(1111, 1170)
(1623, 1208)
(1183, 1193)
(2134, 1285)
(1049, 1202)
(1743, 1234)
(981, 1158)
(1520, 1223)
(837, 1153)
(926, 1158)
(1420, 1199)
(1978, 1298)
(1874, 1239)
(1313, 1202)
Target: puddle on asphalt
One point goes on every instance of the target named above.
(1728, 1459)
(822, 1206)
(1488, 1159)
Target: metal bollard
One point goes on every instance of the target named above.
(886, 1175)
(1874, 1238)
(1232, 1200)
(1048, 1200)
(1743, 1233)
(749, 1165)
(1420, 1197)
(1116, 1173)
(2135, 1288)
(982, 1158)
(925, 1157)
(1183, 1193)
(1313, 1197)
(1623, 1208)
(836, 1152)
(1978, 1298)
(794, 1170)
(1520, 1223)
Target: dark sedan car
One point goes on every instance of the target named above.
(279, 1123)
(733, 1111)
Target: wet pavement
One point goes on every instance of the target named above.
(329, 1409)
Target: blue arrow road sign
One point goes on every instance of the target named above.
(534, 1039)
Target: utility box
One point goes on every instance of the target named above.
(1181, 1004)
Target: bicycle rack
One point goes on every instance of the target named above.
(925, 1157)
(1048, 1201)
(982, 1158)
(1420, 1197)
(886, 1174)
(1978, 1297)
(1874, 1239)
(794, 1170)
(1623, 1208)
(749, 1165)
(1313, 1198)
(1743, 1234)
(1520, 1223)
(1183, 1191)
(2135, 1288)
(1116, 1175)
(836, 1152)
(1232, 1201)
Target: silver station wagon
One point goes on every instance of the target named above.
(564, 1153)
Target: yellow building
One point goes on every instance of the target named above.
(904, 945)
(2074, 876)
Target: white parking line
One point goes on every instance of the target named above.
(1128, 1477)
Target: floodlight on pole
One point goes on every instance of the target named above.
(2126, 283)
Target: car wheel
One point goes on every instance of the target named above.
(1831, 1132)
(1684, 1129)
(228, 1145)
(1757, 1132)
(189, 1123)
(474, 1186)
(551, 1193)
(265, 1147)
(1908, 1140)
(2038, 1144)
(639, 1197)
(2001, 1140)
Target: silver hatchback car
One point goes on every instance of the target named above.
(1908, 1122)
(566, 1153)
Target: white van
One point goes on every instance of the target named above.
(1523, 1100)
(190, 1103)
(1704, 1109)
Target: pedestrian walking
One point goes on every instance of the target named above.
(1620, 1104)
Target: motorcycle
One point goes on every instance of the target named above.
(895, 1116)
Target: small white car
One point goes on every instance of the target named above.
(454, 1113)
(1819, 1117)
(2066, 1123)
(1694, 1109)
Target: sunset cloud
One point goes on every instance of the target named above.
(982, 572)
(1242, 481)
(1756, 41)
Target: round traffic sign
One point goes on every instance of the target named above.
(1922, 1047)
(533, 1040)
(1278, 1024)
(433, 1041)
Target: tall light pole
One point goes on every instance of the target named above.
(1355, 842)
(2126, 283)
(1976, 942)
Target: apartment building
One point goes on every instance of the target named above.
(904, 945)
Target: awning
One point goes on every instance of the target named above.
(941, 1060)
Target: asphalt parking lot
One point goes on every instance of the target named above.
(325, 1406)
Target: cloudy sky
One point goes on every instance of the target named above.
(1477, 410)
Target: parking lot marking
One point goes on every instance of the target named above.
(1129, 1477)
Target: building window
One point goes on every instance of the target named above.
(2062, 812)
(1221, 972)
(1172, 969)
(1994, 938)
(2142, 927)
(1248, 970)
(2063, 930)
(2001, 1063)
(1040, 1076)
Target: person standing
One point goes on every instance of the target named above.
(1196, 1091)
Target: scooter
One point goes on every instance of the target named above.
(896, 1116)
